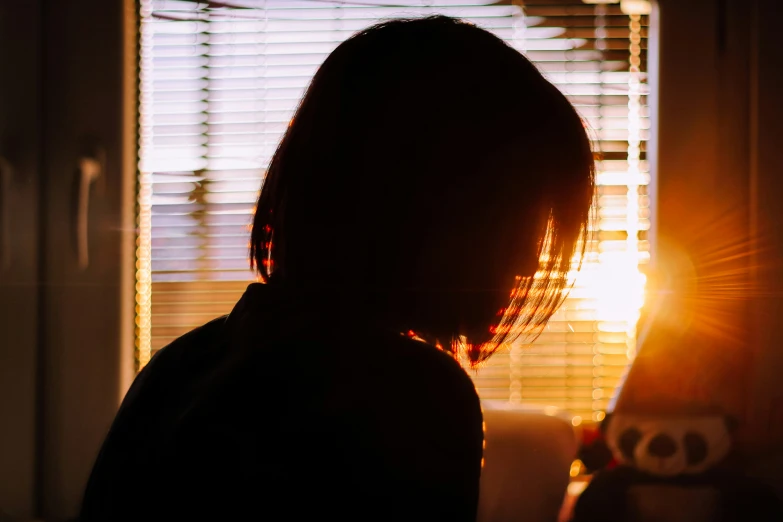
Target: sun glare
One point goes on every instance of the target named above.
(608, 291)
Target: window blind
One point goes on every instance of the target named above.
(219, 82)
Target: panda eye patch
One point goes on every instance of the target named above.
(695, 448)
(628, 441)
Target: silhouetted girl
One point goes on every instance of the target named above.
(428, 173)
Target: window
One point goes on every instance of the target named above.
(219, 82)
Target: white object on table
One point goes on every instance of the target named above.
(527, 460)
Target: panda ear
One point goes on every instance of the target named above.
(732, 423)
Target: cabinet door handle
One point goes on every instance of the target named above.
(6, 177)
(90, 169)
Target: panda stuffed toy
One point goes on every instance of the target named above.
(670, 469)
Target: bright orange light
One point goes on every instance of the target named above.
(608, 292)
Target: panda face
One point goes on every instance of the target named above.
(668, 446)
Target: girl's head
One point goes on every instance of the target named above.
(429, 172)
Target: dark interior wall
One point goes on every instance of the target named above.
(720, 204)
(20, 147)
(718, 262)
(66, 349)
(766, 169)
(87, 314)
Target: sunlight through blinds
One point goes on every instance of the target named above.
(219, 82)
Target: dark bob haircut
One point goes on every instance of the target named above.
(433, 181)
